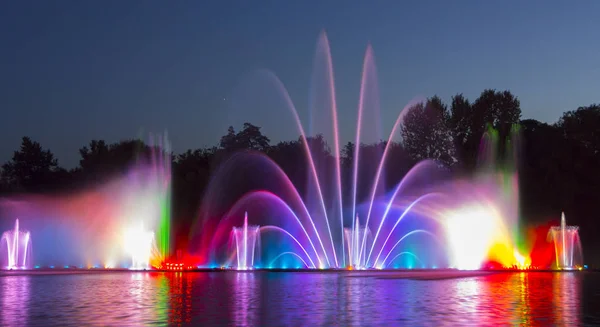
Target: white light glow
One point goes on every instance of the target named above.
(470, 231)
(138, 244)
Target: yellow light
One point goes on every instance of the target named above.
(522, 262)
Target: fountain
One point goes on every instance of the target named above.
(362, 223)
(567, 245)
(122, 222)
(247, 239)
(145, 208)
(16, 245)
(353, 237)
(317, 220)
(140, 244)
(315, 225)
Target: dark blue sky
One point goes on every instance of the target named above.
(72, 71)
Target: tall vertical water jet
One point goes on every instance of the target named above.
(144, 206)
(353, 236)
(161, 165)
(567, 245)
(15, 248)
(246, 240)
(324, 179)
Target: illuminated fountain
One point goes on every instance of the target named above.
(146, 209)
(567, 245)
(140, 244)
(247, 239)
(15, 248)
(424, 220)
(122, 222)
(353, 237)
(314, 226)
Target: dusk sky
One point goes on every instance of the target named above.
(73, 71)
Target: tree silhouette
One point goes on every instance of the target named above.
(459, 122)
(501, 110)
(468, 122)
(249, 138)
(31, 169)
(582, 126)
(425, 133)
(101, 161)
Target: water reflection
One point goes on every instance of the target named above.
(532, 299)
(298, 299)
(468, 291)
(15, 300)
(180, 294)
(245, 297)
(566, 299)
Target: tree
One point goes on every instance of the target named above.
(500, 109)
(191, 175)
(469, 122)
(31, 169)
(459, 122)
(100, 161)
(92, 156)
(546, 177)
(582, 126)
(579, 128)
(229, 140)
(425, 134)
(249, 138)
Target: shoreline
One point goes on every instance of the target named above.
(417, 274)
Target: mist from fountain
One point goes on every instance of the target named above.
(15, 249)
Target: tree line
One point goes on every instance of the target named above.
(558, 163)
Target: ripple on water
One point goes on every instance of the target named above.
(261, 298)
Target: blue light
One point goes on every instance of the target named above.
(36, 267)
(51, 267)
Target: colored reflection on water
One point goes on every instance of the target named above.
(15, 291)
(180, 297)
(299, 299)
(246, 300)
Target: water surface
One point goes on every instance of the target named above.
(298, 299)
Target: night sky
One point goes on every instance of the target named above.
(72, 71)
